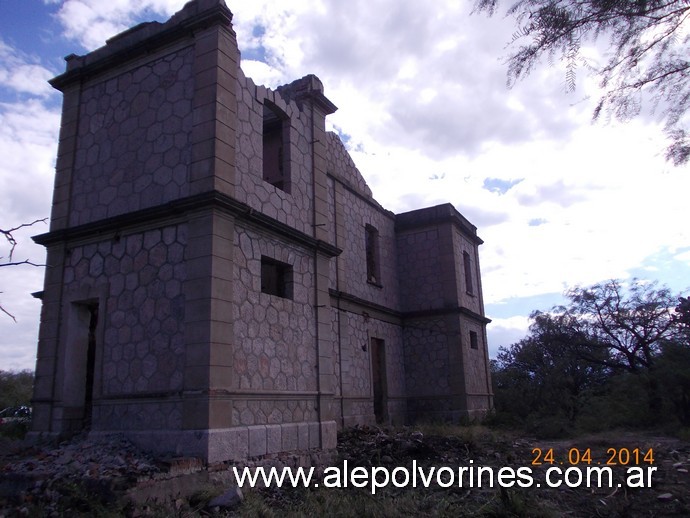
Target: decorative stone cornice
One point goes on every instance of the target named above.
(142, 39)
(444, 213)
(310, 89)
(177, 208)
(406, 315)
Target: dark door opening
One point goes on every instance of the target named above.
(378, 370)
(90, 365)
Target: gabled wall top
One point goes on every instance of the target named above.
(143, 38)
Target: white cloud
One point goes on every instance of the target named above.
(683, 256)
(28, 146)
(261, 73)
(23, 73)
(503, 332)
(92, 22)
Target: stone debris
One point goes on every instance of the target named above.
(113, 471)
(39, 473)
(228, 500)
(371, 446)
(109, 457)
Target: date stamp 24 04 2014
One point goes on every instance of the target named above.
(584, 456)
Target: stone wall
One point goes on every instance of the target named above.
(295, 207)
(134, 139)
(475, 361)
(426, 348)
(427, 351)
(422, 286)
(137, 280)
(274, 346)
(471, 301)
(341, 166)
(357, 212)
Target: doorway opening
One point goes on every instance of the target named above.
(378, 370)
(90, 365)
(80, 376)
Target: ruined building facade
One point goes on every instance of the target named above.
(221, 282)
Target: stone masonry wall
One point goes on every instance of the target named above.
(396, 387)
(474, 361)
(341, 165)
(336, 344)
(426, 352)
(355, 368)
(462, 244)
(421, 286)
(293, 208)
(134, 146)
(353, 262)
(143, 348)
(351, 207)
(274, 342)
(355, 374)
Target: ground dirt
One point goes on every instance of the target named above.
(88, 479)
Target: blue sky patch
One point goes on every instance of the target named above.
(524, 305)
(666, 268)
(500, 186)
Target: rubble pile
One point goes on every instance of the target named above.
(373, 446)
(109, 457)
(41, 476)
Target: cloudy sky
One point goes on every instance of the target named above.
(426, 114)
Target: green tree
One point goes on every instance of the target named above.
(629, 324)
(682, 319)
(672, 373)
(671, 370)
(543, 374)
(583, 362)
(16, 388)
(647, 53)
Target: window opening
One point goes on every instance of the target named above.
(468, 273)
(275, 146)
(276, 278)
(474, 341)
(372, 252)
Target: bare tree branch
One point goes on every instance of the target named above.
(7, 312)
(12, 240)
(9, 236)
(648, 49)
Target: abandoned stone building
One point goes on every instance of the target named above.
(221, 282)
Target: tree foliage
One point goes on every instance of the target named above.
(630, 324)
(543, 373)
(16, 388)
(647, 53)
(682, 319)
(616, 354)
